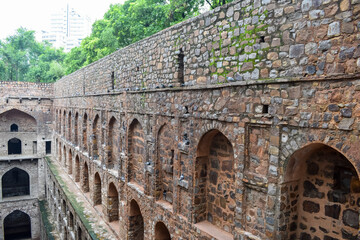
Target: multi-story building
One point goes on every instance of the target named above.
(67, 29)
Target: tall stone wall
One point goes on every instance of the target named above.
(242, 41)
(254, 97)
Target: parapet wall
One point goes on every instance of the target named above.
(244, 40)
(26, 89)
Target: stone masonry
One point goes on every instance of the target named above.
(241, 123)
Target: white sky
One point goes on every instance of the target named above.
(35, 14)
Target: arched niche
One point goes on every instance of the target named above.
(97, 189)
(113, 203)
(136, 148)
(136, 222)
(161, 232)
(321, 191)
(214, 195)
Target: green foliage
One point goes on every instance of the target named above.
(124, 24)
(24, 59)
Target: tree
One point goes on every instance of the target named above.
(24, 59)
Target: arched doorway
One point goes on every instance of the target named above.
(320, 195)
(113, 203)
(15, 182)
(17, 225)
(214, 195)
(97, 189)
(14, 146)
(136, 222)
(70, 167)
(161, 232)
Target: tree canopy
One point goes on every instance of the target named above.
(22, 58)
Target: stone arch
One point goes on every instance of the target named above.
(161, 232)
(14, 117)
(63, 124)
(113, 143)
(17, 225)
(97, 190)
(113, 203)
(136, 148)
(77, 168)
(60, 153)
(136, 222)
(65, 158)
(14, 127)
(14, 146)
(76, 129)
(85, 131)
(15, 182)
(70, 165)
(164, 164)
(96, 137)
(321, 189)
(69, 127)
(85, 178)
(214, 195)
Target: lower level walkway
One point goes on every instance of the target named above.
(93, 215)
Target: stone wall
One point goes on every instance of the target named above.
(246, 40)
(212, 117)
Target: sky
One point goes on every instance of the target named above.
(35, 14)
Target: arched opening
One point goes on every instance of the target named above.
(77, 168)
(97, 189)
(60, 153)
(136, 143)
(321, 191)
(64, 155)
(161, 232)
(95, 137)
(71, 221)
(113, 203)
(214, 196)
(63, 124)
(14, 146)
(165, 147)
(15, 182)
(70, 162)
(114, 143)
(136, 222)
(76, 129)
(69, 127)
(79, 233)
(85, 179)
(84, 130)
(12, 119)
(17, 225)
(14, 128)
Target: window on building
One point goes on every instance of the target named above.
(48, 147)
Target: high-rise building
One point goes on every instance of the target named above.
(67, 29)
